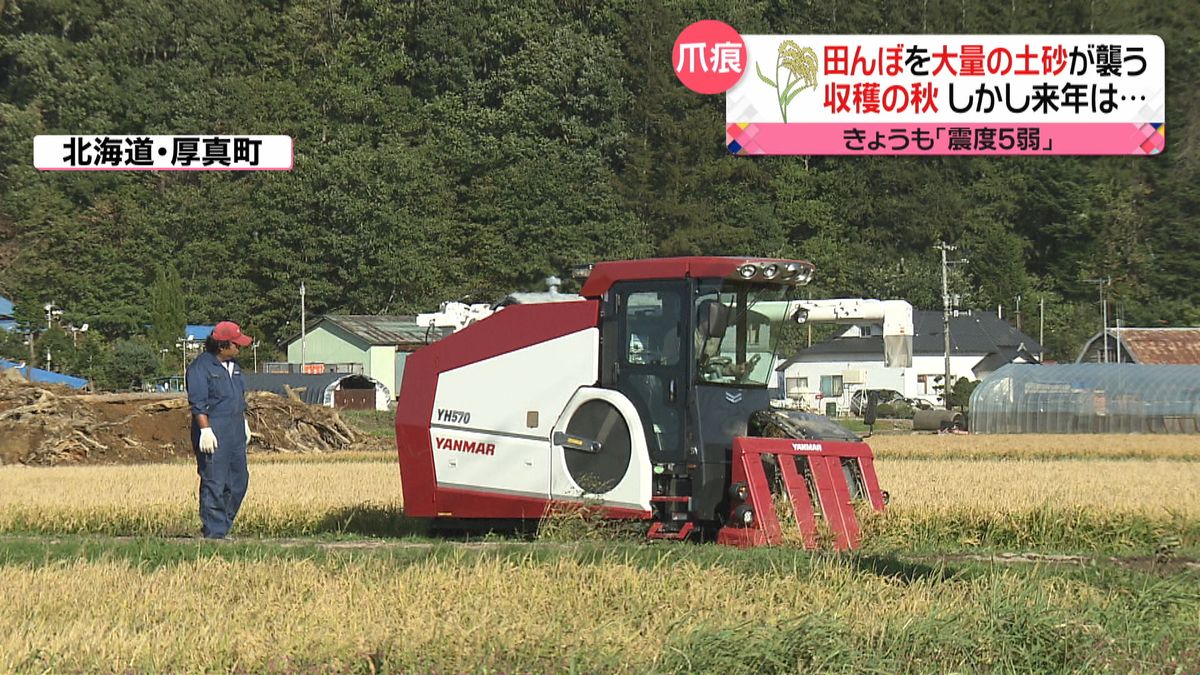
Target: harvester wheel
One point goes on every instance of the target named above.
(743, 516)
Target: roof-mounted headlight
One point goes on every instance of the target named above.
(770, 271)
(747, 271)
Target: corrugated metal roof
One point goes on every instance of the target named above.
(383, 329)
(1166, 346)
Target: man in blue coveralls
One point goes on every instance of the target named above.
(217, 397)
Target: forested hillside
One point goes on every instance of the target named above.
(450, 149)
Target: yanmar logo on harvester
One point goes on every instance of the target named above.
(648, 394)
(460, 445)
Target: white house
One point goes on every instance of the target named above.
(980, 343)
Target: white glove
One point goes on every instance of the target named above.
(208, 441)
(247, 423)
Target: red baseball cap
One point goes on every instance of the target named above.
(228, 330)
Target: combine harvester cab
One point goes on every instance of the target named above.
(645, 397)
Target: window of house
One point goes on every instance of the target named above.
(831, 385)
(797, 384)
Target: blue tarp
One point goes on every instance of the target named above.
(199, 333)
(6, 313)
(47, 376)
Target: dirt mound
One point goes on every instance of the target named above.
(51, 424)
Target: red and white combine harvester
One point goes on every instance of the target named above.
(646, 396)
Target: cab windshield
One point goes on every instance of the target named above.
(737, 330)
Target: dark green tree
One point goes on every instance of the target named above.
(92, 359)
(472, 147)
(55, 350)
(960, 393)
(13, 346)
(133, 362)
(168, 316)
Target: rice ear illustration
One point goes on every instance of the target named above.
(799, 64)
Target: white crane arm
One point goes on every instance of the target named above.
(896, 315)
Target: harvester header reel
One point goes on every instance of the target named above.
(813, 481)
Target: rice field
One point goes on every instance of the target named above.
(285, 498)
(1036, 446)
(1151, 487)
(328, 575)
(363, 497)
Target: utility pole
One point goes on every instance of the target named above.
(1117, 316)
(1103, 311)
(303, 328)
(808, 324)
(1104, 318)
(946, 384)
(1042, 329)
(945, 326)
(32, 357)
(1118, 322)
(182, 344)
